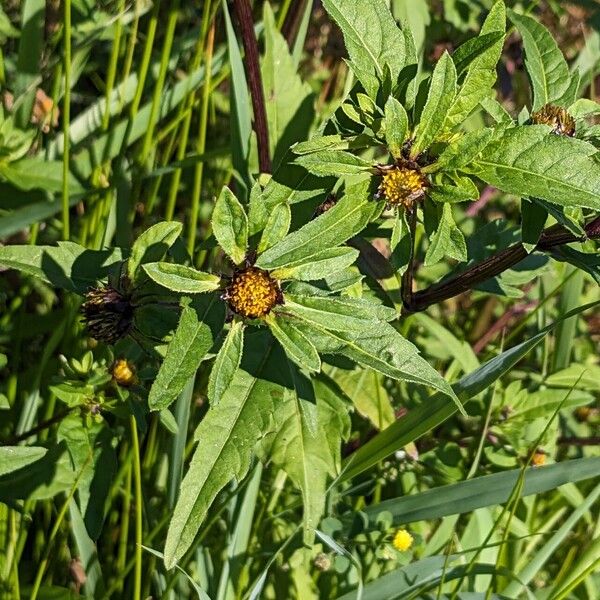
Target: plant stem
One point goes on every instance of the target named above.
(137, 476)
(66, 118)
(408, 276)
(246, 24)
(39, 427)
(552, 237)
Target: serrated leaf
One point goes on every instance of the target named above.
(295, 344)
(372, 38)
(276, 228)
(325, 263)
(152, 245)
(181, 279)
(473, 49)
(545, 63)
(35, 173)
(462, 151)
(344, 220)
(226, 435)
(396, 126)
(68, 265)
(230, 225)
(456, 189)
(442, 91)
(199, 324)
(337, 313)
(226, 363)
(289, 102)
(481, 72)
(447, 240)
(13, 458)
(305, 442)
(319, 143)
(336, 163)
(529, 161)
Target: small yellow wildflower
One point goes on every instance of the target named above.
(124, 372)
(539, 458)
(402, 186)
(402, 540)
(252, 293)
(558, 118)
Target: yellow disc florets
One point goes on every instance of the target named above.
(402, 540)
(123, 372)
(558, 118)
(252, 293)
(402, 186)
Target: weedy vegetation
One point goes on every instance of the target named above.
(299, 299)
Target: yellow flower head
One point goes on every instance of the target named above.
(539, 458)
(403, 540)
(252, 293)
(123, 372)
(558, 118)
(402, 186)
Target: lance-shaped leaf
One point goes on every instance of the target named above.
(379, 346)
(372, 38)
(226, 436)
(230, 225)
(396, 126)
(226, 363)
(344, 220)
(152, 245)
(529, 161)
(181, 279)
(295, 343)
(276, 228)
(336, 163)
(447, 240)
(68, 265)
(442, 91)
(200, 323)
(327, 262)
(337, 313)
(481, 72)
(305, 441)
(545, 63)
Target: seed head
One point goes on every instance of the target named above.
(108, 314)
(403, 540)
(558, 118)
(402, 186)
(252, 293)
(123, 372)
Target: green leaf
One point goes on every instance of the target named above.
(319, 266)
(276, 228)
(447, 240)
(181, 279)
(295, 344)
(453, 189)
(474, 48)
(200, 323)
(95, 462)
(230, 225)
(529, 161)
(396, 126)
(152, 245)
(289, 102)
(35, 173)
(226, 363)
(68, 265)
(325, 163)
(344, 220)
(442, 91)
(321, 142)
(13, 458)
(337, 313)
(305, 442)
(545, 63)
(488, 490)
(372, 38)
(227, 435)
(462, 151)
(481, 72)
